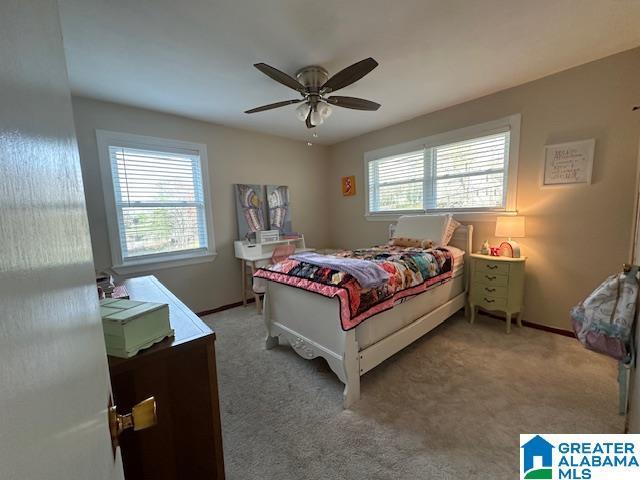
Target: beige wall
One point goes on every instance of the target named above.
(576, 236)
(235, 156)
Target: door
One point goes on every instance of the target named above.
(633, 419)
(54, 383)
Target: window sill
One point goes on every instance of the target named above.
(150, 265)
(460, 216)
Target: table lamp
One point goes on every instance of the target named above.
(509, 227)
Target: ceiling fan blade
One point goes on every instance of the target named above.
(280, 77)
(273, 105)
(349, 75)
(353, 103)
(308, 121)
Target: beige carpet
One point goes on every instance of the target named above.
(450, 406)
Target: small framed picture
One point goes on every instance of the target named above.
(349, 186)
(568, 163)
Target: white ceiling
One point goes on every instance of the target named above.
(194, 57)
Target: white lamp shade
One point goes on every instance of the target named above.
(510, 226)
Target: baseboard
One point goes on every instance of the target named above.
(224, 307)
(537, 326)
(546, 328)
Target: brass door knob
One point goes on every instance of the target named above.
(143, 415)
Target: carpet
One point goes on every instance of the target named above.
(449, 406)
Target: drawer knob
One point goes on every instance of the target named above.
(489, 300)
(490, 277)
(490, 290)
(492, 267)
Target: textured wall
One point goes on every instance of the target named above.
(576, 236)
(235, 156)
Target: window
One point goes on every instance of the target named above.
(467, 170)
(397, 183)
(157, 201)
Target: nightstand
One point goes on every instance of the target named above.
(497, 284)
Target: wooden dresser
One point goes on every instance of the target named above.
(180, 372)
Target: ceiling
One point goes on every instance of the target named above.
(194, 57)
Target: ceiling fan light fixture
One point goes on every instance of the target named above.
(302, 111)
(324, 110)
(316, 119)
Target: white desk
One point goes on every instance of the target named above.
(254, 255)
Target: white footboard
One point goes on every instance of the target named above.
(310, 323)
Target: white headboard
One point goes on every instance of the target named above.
(463, 238)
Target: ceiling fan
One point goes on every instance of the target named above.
(314, 84)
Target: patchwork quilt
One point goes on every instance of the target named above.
(411, 271)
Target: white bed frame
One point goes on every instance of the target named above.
(310, 323)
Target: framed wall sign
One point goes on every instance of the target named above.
(568, 163)
(349, 186)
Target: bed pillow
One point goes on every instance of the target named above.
(450, 228)
(412, 242)
(438, 227)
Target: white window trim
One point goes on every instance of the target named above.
(157, 261)
(512, 122)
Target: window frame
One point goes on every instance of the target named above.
(145, 263)
(510, 123)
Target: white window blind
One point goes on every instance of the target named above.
(464, 175)
(159, 201)
(470, 174)
(396, 183)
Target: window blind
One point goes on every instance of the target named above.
(159, 201)
(396, 183)
(465, 175)
(470, 174)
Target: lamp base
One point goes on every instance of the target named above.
(510, 248)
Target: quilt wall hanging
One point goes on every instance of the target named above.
(262, 207)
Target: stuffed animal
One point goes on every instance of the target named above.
(411, 242)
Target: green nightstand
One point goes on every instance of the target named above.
(497, 284)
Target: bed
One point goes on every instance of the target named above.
(313, 324)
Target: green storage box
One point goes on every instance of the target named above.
(130, 326)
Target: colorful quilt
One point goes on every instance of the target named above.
(411, 271)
